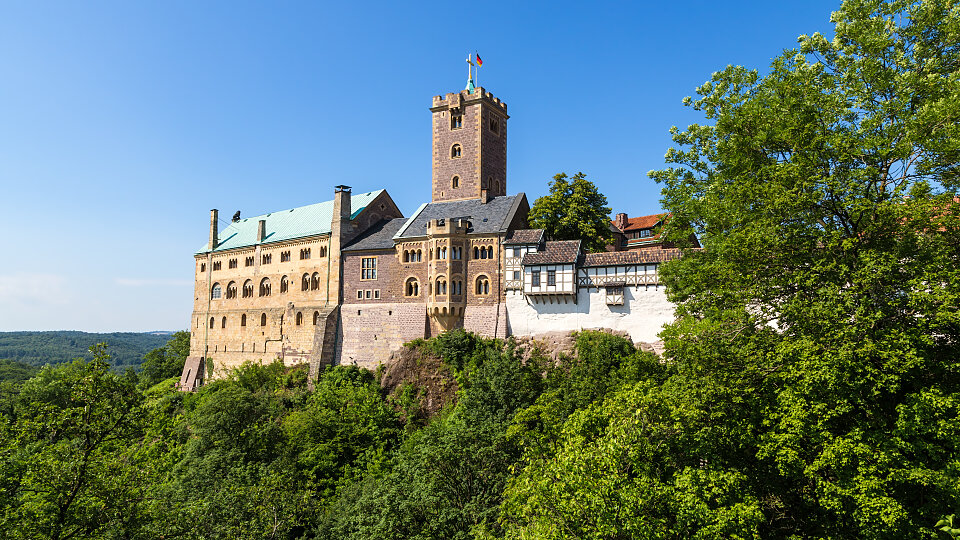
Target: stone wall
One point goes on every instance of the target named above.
(369, 332)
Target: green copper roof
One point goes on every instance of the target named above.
(300, 222)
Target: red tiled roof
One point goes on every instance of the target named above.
(642, 222)
(616, 258)
(555, 252)
(524, 236)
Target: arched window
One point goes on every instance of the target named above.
(483, 285)
(489, 252)
(232, 289)
(455, 151)
(243, 319)
(305, 283)
(419, 255)
(284, 284)
(406, 256)
(263, 319)
(247, 289)
(215, 292)
(476, 252)
(323, 251)
(299, 318)
(496, 187)
(441, 286)
(455, 182)
(265, 287)
(413, 287)
(314, 281)
(211, 322)
(316, 317)
(223, 322)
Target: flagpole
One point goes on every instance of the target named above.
(478, 73)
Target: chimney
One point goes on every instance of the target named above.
(341, 203)
(621, 221)
(261, 230)
(484, 196)
(213, 229)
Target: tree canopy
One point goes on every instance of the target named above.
(574, 210)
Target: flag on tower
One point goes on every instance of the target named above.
(479, 61)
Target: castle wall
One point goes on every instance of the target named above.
(644, 313)
(369, 332)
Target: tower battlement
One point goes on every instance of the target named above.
(456, 99)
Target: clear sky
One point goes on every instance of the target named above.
(123, 123)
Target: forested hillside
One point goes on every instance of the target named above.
(56, 347)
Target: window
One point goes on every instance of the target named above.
(284, 284)
(516, 274)
(441, 286)
(305, 282)
(367, 294)
(412, 288)
(216, 265)
(646, 233)
(456, 253)
(232, 263)
(483, 285)
(203, 267)
(376, 294)
(211, 322)
(315, 281)
(248, 261)
(535, 278)
(456, 118)
(456, 288)
(284, 256)
(316, 317)
(359, 294)
(476, 252)
(494, 125)
(419, 255)
(243, 319)
(441, 253)
(248, 289)
(215, 292)
(263, 319)
(368, 268)
(232, 290)
(299, 318)
(304, 254)
(323, 251)
(489, 252)
(266, 259)
(516, 252)
(456, 182)
(406, 256)
(496, 186)
(265, 287)
(223, 322)
(455, 151)
(551, 277)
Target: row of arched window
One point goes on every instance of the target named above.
(412, 255)
(456, 253)
(263, 319)
(482, 252)
(440, 286)
(308, 283)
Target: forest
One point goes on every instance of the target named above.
(55, 347)
(809, 386)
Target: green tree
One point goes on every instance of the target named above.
(167, 361)
(822, 315)
(574, 210)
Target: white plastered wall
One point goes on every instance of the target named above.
(643, 314)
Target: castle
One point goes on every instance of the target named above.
(348, 281)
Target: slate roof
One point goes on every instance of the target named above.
(555, 252)
(524, 236)
(379, 236)
(617, 258)
(298, 222)
(492, 217)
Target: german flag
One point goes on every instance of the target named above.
(479, 61)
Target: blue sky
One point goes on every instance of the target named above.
(123, 123)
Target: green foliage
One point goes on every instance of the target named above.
(167, 361)
(574, 210)
(57, 347)
(16, 372)
(826, 298)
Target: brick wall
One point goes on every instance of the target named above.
(369, 332)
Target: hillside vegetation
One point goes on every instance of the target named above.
(57, 347)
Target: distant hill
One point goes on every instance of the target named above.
(39, 348)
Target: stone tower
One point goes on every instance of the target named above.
(469, 146)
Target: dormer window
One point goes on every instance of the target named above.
(646, 233)
(455, 151)
(456, 119)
